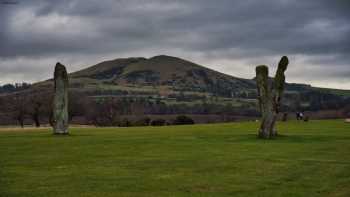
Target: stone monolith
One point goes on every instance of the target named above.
(270, 96)
(60, 105)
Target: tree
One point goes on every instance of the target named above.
(158, 122)
(104, 112)
(270, 96)
(19, 105)
(37, 104)
(34, 107)
(77, 104)
(183, 120)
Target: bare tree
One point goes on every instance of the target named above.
(103, 111)
(35, 104)
(77, 104)
(17, 105)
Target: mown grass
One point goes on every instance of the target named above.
(309, 159)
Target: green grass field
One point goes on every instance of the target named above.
(309, 159)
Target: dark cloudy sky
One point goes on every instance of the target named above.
(226, 35)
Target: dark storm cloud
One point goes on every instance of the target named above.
(314, 33)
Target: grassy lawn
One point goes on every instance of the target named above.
(310, 159)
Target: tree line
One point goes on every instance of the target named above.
(9, 88)
(36, 106)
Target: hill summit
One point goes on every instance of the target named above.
(168, 85)
(163, 71)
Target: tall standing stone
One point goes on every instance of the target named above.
(60, 105)
(270, 96)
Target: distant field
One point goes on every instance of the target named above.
(310, 159)
(335, 91)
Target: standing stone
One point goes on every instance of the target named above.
(279, 82)
(60, 105)
(278, 90)
(265, 101)
(269, 96)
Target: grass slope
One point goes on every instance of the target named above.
(310, 159)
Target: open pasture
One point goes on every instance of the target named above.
(308, 159)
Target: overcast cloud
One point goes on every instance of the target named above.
(226, 35)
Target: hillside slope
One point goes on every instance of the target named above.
(170, 85)
(170, 76)
(171, 73)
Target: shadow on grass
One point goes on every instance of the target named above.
(312, 138)
(46, 135)
(217, 138)
(252, 138)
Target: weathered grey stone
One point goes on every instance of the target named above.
(270, 96)
(60, 108)
(279, 81)
(265, 101)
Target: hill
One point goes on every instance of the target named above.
(160, 72)
(164, 75)
(161, 85)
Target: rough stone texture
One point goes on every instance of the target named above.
(279, 82)
(60, 108)
(265, 101)
(270, 96)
